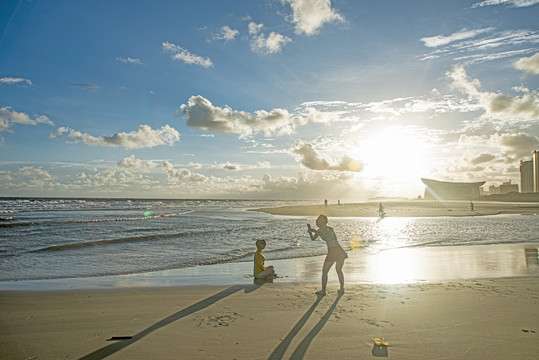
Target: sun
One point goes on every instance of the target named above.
(393, 155)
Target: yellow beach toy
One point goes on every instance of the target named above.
(379, 341)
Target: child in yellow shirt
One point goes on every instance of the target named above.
(261, 271)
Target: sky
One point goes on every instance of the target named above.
(264, 99)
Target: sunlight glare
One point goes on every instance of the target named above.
(393, 154)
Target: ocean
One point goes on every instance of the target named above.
(74, 238)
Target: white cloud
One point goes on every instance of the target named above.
(129, 60)
(310, 158)
(262, 44)
(15, 81)
(230, 167)
(38, 173)
(512, 3)
(182, 174)
(195, 165)
(8, 116)
(201, 114)
(134, 163)
(482, 158)
(439, 40)
(529, 64)
(226, 34)
(482, 45)
(310, 15)
(497, 106)
(5, 175)
(187, 57)
(144, 137)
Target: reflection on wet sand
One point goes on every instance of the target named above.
(532, 257)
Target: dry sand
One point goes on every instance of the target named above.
(469, 319)
(417, 208)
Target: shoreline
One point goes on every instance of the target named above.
(413, 208)
(395, 265)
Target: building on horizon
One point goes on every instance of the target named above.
(444, 190)
(504, 188)
(535, 159)
(529, 174)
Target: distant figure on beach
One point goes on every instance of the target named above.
(325, 202)
(381, 212)
(261, 271)
(336, 253)
(471, 205)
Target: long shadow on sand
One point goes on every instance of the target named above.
(281, 349)
(117, 346)
(300, 351)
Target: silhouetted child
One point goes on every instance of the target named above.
(261, 271)
(336, 253)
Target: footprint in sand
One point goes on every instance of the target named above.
(217, 320)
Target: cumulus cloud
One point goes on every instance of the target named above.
(129, 60)
(15, 81)
(134, 163)
(439, 40)
(529, 64)
(144, 137)
(39, 173)
(511, 3)
(482, 158)
(8, 117)
(226, 33)
(201, 114)
(182, 174)
(230, 167)
(310, 158)
(310, 15)
(497, 106)
(262, 44)
(179, 53)
(519, 145)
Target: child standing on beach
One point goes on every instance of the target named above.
(336, 253)
(261, 271)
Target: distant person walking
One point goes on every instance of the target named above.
(336, 253)
(381, 212)
(471, 205)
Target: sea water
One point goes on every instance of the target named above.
(73, 238)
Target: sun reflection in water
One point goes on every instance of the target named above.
(394, 266)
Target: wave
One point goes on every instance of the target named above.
(113, 241)
(15, 224)
(9, 223)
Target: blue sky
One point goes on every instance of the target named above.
(268, 99)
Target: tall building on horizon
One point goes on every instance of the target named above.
(529, 174)
(526, 177)
(535, 171)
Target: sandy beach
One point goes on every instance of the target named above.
(415, 208)
(472, 319)
(458, 302)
